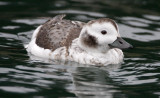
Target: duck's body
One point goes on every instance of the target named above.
(60, 39)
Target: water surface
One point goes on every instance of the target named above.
(25, 76)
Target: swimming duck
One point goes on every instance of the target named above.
(97, 42)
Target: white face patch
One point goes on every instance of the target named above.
(103, 39)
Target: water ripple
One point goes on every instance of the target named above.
(95, 14)
(152, 17)
(29, 21)
(17, 89)
(28, 76)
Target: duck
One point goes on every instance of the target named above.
(97, 42)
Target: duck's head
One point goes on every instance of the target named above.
(101, 35)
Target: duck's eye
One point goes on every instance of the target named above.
(104, 32)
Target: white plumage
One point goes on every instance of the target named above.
(91, 46)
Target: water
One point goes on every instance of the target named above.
(25, 76)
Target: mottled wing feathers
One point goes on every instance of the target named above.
(58, 32)
(43, 39)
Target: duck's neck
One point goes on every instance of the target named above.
(98, 49)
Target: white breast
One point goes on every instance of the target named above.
(113, 56)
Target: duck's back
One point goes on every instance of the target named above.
(58, 32)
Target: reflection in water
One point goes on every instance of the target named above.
(93, 83)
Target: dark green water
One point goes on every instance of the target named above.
(24, 76)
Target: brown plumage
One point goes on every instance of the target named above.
(58, 32)
(89, 40)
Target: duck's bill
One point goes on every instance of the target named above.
(121, 44)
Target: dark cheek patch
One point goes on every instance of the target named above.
(89, 40)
